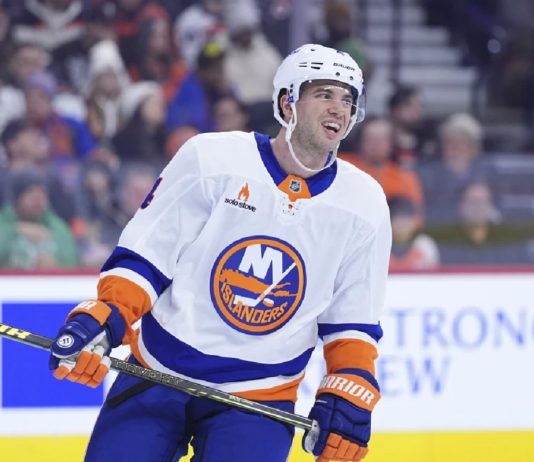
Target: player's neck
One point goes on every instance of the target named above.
(285, 159)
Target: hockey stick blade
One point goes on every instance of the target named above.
(171, 381)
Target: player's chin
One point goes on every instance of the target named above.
(331, 138)
(330, 145)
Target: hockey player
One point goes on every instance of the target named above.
(244, 253)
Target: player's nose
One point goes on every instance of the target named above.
(336, 106)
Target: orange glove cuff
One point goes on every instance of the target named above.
(95, 308)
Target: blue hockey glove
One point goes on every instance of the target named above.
(342, 416)
(80, 350)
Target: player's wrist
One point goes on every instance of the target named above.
(362, 373)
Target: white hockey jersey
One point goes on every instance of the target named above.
(236, 268)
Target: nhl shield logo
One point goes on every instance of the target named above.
(295, 186)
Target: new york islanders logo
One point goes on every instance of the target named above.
(257, 284)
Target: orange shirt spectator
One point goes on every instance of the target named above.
(374, 158)
(411, 249)
(394, 180)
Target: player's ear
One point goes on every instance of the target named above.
(285, 107)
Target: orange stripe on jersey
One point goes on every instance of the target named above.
(131, 300)
(295, 187)
(350, 354)
(285, 392)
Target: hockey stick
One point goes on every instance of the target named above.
(192, 388)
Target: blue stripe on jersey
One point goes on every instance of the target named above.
(126, 258)
(267, 156)
(316, 184)
(184, 359)
(373, 330)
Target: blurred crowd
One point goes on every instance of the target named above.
(97, 95)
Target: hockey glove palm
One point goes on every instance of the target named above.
(79, 352)
(342, 417)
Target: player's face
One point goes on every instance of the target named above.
(323, 114)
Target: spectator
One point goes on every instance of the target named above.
(101, 208)
(70, 140)
(156, 59)
(276, 21)
(107, 80)
(28, 149)
(251, 61)
(230, 114)
(71, 64)
(460, 165)
(128, 16)
(195, 26)
(411, 249)
(202, 88)
(414, 137)
(338, 33)
(141, 137)
(32, 236)
(481, 237)
(57, 26)
(23, 61)
(375, 158)
(96, 124)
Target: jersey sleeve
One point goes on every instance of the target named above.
(350, 327)
(141, 266)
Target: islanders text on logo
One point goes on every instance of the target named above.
(257, 284)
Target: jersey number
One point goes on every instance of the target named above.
(150, 196)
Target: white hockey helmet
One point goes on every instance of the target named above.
(317, 62)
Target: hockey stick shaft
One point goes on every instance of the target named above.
(171, 381)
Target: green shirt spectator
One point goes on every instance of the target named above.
(32, 236)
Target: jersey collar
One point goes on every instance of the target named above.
(315, 184)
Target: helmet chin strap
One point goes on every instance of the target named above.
(290, 126)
